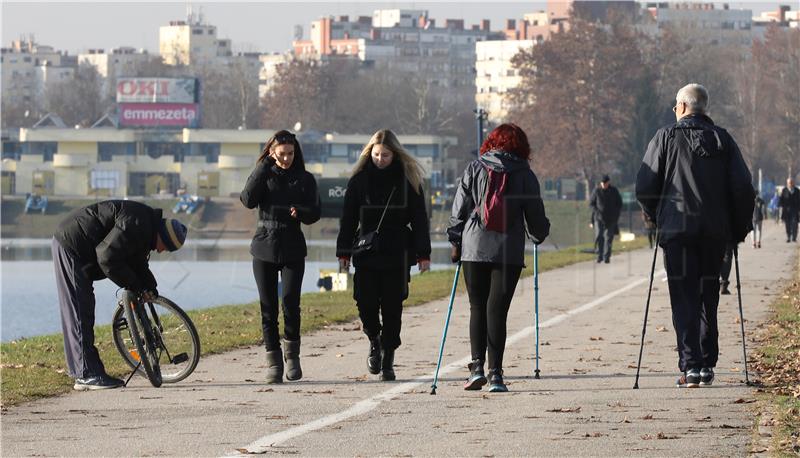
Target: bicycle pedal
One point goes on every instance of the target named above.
(180, 358)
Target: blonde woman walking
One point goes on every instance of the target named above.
(384, 231)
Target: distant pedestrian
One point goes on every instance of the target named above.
(695, 185)
(384, 214)
(774, 208)
(110, 239)
(650, 227)
(286, 196)
(606, 205)
(497, 201)
(790, 209)
(759, 215)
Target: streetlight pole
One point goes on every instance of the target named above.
(480, 117)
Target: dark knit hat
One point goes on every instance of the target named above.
(172, 232)
(605, 179)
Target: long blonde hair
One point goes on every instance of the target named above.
(387, 138)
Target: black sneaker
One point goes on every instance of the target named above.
(706, 376)
(724, 289)
(374, 357)
(476, 378)
(496, 384)
(97, 382)
(689, 379)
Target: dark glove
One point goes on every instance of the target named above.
(455, 253)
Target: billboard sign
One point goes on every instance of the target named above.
(156, 90)
(159, 114)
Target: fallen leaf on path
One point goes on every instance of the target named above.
(661, 329)
(265, 390)
(569, 432)
(594, 435)
(704, 419)
(743, 401)
(596, 338)
(248, 452)
(275, 417)
(625, 420)
(647, 417)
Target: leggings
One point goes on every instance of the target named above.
(490, 288)
(266, 274)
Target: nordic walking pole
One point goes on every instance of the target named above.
(446, 324)
(646, 310)
(536, 303)
(741, 313)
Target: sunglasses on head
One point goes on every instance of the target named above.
(284, 139)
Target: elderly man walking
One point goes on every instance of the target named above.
(789, 202)
(606, 205)
(694, 183)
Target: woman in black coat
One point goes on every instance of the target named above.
(286, 195)
(386, 179)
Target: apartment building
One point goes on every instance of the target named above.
(191, 41)
(27, 67)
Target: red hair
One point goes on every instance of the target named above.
(509, 138)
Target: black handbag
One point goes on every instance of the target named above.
(368, 243)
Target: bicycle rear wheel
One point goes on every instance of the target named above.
(141, 333)
(179, 343)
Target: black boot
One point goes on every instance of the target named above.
(387, 365)
(291, 355)
(374, 358)
(476, 378)
(274, 367)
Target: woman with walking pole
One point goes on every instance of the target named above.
(384, 230)
(286, 195)
(497, 201)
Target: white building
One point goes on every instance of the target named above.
(115, 63)
(191, 41)
(496, 76)
(27, 67)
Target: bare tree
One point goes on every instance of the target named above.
(80, 100)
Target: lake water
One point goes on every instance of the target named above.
(202, 274)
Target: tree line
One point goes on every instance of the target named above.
(592, 97)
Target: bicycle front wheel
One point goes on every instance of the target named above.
(177, 337)
(144, 342)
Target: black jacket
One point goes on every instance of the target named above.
(694, 183)
(606, 205)
(790, 203)
(523, 210)
(404, 234)
(274, 191)
(113, 239)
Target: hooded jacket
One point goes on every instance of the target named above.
(113, 239)
(278, 238)
(523, 211)
(404, 236)
(694, 183)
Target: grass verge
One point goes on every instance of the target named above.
(34, 367)
(777, 360)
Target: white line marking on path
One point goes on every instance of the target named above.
(263, 444)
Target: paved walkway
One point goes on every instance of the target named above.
(591, 319)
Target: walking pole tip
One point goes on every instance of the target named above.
(433, 390)
(536, 374)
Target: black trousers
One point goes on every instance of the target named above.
(76, 302)
(603, 239)
(380, 294)
(490, 288)
(693, 269)
(266, 274)
(791, 227)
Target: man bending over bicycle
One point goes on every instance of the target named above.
(110, 239)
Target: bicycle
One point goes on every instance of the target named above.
(157, 339)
